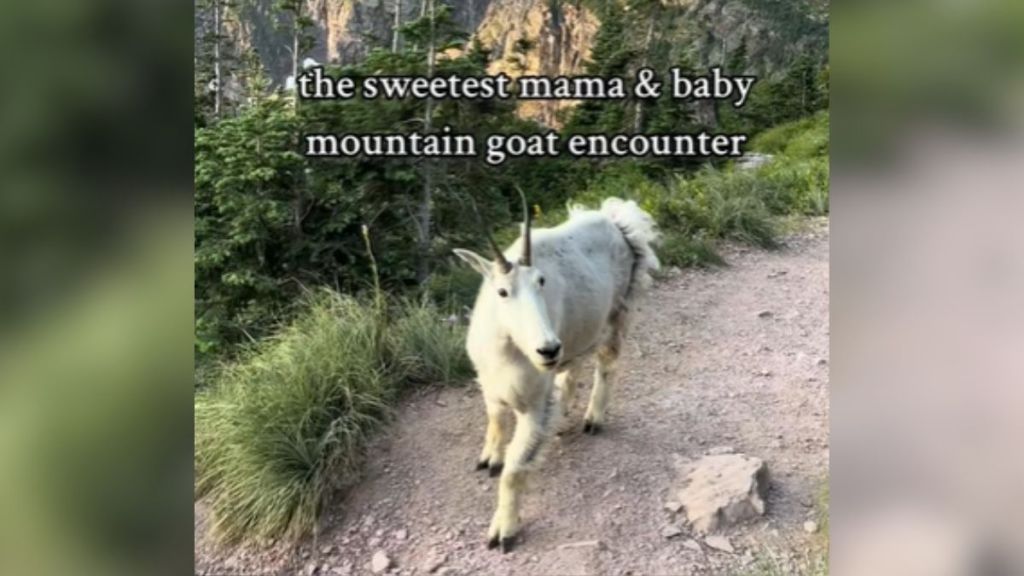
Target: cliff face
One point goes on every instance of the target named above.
(545, 37)
(344, 30)
(538, 38)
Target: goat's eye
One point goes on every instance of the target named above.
(541, 280)
(502, 292)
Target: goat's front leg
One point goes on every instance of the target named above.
(492, 457)
(565, 382)
(532, 430)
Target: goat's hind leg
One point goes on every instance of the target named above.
(492, 457)
(533, 428)
(604, 374)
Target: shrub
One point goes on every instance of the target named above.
(286, 424)
(686, 251)
(795, 186)
(804, 138)
(426, 349)
(717, 204)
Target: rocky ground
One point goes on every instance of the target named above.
(735, 357)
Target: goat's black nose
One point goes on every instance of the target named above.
(551, 351)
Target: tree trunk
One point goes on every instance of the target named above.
(396, 38)
(423, 266)
(638, 115)
(216, 59)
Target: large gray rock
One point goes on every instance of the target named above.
(720, 490)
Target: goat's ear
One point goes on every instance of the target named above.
(476, 261)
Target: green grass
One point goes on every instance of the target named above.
(286, 424)
(800, 139)
(813, 561)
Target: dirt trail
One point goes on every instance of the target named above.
(736, 356)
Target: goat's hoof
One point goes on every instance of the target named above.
(493, 543)
(591, 427)
(507, 544)
(496, 469)
(482, 464)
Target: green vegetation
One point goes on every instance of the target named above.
(287, 423)
(815, 559)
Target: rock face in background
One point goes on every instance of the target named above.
(557, 35)
(345, 30)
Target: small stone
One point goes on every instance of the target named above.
(401, 534)
(311, 569)
(821, 362)
(810, 526)
(673, 506)
(719, 543)
(373, 542)
(380, 562)
(671, 531)
(326, 549)
(692, 544)
(441, 403)
(720, 450)
(764, 314)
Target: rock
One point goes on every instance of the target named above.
(810, 526)
(821, 362)
(373, 542)
(720, 490)
(311, 569)
(401, 534)
(692, 544)
(673, 506)
(434, 561)
(325, 550)
(719, 543)
(380, 562)
(752, 160)
(720, 450)
(764, 314)
(671, 531)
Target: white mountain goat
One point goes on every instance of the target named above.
(535, 321)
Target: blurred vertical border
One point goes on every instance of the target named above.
(927, 278)
(95, 287)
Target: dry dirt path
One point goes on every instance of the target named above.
(731, 357)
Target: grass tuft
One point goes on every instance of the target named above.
(287, 424)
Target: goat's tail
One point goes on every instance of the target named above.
(641, 233)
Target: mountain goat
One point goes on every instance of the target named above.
(536, 319)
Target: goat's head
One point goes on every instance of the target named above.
(517, 290)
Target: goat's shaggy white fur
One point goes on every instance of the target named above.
(535, 322)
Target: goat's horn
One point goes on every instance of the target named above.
(499, 256)
(526, 258)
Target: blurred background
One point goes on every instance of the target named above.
(96, 288)
(96, 340)
(927, 277)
